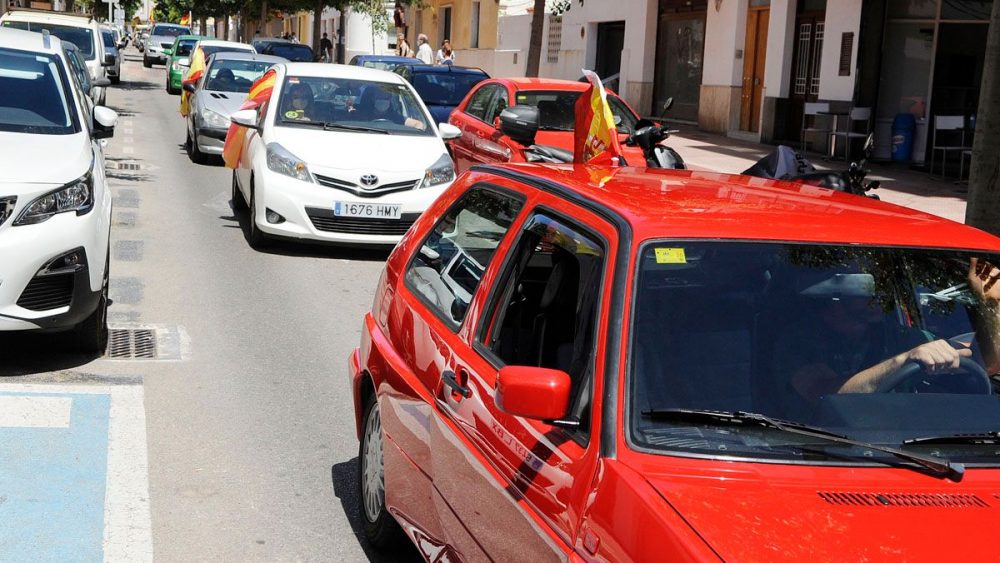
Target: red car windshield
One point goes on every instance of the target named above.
(881, 345)
(555, 109)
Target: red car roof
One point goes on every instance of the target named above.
(545, 84)
(692, 204)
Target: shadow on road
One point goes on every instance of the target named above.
(26, 353)
(345, 487)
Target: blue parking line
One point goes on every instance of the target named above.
(52, 483)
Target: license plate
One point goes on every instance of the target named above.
(367, 210)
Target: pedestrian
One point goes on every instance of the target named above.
(294, 38)
(424, 52)
(445, 56)
(403, 48)
(326, 48)
(399, 19)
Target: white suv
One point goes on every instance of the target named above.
(81, 30)
(55, 206)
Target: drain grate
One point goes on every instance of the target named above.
(129, 343)
(128, 166)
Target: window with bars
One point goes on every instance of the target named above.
(802, 68)
(817, 56)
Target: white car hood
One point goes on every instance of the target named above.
(362, 152)
(43, 159)
(223, 103)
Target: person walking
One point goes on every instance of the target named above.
(445, 55)
(403, 48)
(424, 52)
(326, 48)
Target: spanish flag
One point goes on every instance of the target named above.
(186, 19)
(595, 137)
(194, 74)
(258, 97)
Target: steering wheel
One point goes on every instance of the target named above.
(972, 376)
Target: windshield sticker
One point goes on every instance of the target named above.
(670, 256)
(293, 80)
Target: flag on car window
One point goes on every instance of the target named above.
(186, 19)
(595, 137)
(258, 97)
(194, 74)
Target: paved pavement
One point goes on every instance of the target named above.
(900, 185)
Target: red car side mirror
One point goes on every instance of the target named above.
(531, 392)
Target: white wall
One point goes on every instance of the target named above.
(842, 16)
(780, 47)
(725, 33)
(358, 39)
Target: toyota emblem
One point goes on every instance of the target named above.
(369, 180)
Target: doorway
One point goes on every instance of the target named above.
(610, 43)
(958, 73)
(679, 63)
(806, 58)
(754, 57)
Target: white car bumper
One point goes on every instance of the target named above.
(25, 250)
(307, 209)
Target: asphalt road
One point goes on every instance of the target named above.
(249, 430)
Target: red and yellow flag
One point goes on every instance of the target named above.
(186, 19)
(195, 72)
(595, 137)
(258, 97)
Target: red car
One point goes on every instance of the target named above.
(477, 116)
(589, 365)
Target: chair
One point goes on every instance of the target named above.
(961, 164)
(813, 110)
(949, 124)
(856, 115)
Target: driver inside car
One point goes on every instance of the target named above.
(298, 103)
(852, 350)
(377, 105)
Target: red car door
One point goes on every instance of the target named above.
(520, 485)
(471, 119)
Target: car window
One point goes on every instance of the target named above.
(480, 101)
(556, 109)
(170, 31)
(184, 47)
(447, 268)
(36, 97)
(213, 49)
(74, 58)
(109, 38)
(500, 103)
(82, 37)
(444, 88)
(290, 51)
(546, 303)
(234, 75)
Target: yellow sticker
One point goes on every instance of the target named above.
(292, 114)
(670, 256)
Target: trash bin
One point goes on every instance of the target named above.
(903, 127)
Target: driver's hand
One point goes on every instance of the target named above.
(983, 278)
(938, 356)
(414, 123)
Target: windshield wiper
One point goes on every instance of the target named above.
(983, 439)
(938, 466)
(340, 127)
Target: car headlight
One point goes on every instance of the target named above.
(283, 162)
(213, 119)
(440, 172)
(75, 196)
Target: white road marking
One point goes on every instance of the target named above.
(35, 412)
(128, 150)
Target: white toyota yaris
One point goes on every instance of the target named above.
(341, 154)
(55, 208)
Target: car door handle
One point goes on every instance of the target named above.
(449, 379)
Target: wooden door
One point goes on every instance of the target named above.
(754, 56)
(805, 70)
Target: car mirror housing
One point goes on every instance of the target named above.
(245, 118)
(520, 123)
(109, 60)
(100, 82)
(532, 392)
(104, 122)
(449, 131)
(168, 52)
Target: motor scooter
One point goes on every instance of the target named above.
(786, 164)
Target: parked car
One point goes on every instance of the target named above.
(382, 62)
(114, 71)
(81, 30)
(220, 92)
(78, 66)
(141, 35)
(55, 205)
(179, 60)
(441, 87)
(483, 142)
(341, 154)
(288, 50)
(569, 364)
(161, 36)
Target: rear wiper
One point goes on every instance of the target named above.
(340, 127)
(938, 466)
(983, 439)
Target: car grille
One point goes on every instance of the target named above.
(47, 292)
(365, 191)
(324, 220)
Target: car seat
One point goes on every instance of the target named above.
(554, 326)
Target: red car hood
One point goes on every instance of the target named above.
(564, 140)
(811, 519)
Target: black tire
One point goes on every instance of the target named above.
(92, 334)
(194, 151)
(172, 91)
(380, 528)
(146, 62)
(255, 236)
(238, 203)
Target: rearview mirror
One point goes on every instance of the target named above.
(449, 131)
(104, 122)
(530, 392)
(245, 118)
(184, 62)
(520, 123)
(100, 82)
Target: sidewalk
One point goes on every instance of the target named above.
(900, 185)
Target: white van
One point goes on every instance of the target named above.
(80, 29)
